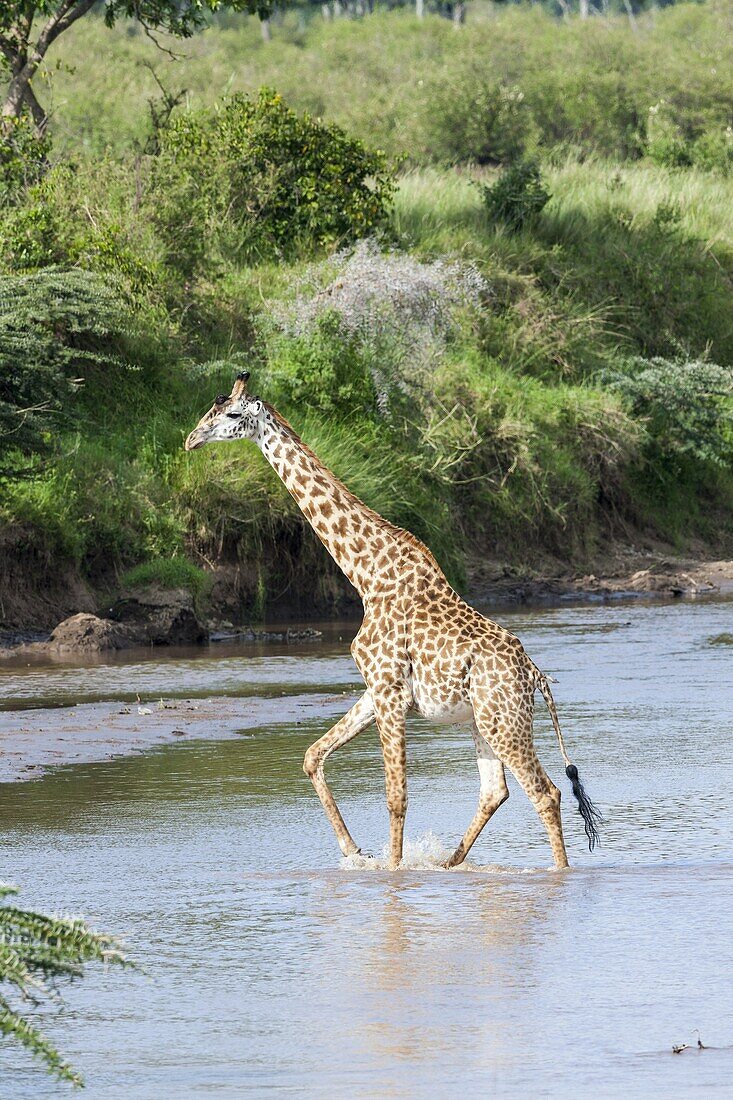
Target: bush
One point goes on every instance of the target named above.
(518, 196)
(174, 572)
(468, 118)
(531, 463)
(688, 406)
(36, 950)
(324, 370)
(667, 145)
(713, 151)
(395, 316)
(55, 326)
(253, 180)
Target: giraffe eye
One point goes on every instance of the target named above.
(221, 399)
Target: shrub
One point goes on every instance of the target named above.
(667, 145)
(688, 406)
(36, 950)
(518, 196)
(55, 326)
(324, 370)
(531, 462)
(253, 179)
(395, 316)
(174, 572)
(469, 118)
(713, 151)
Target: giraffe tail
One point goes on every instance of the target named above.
(592, 817)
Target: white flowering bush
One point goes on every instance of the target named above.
(395, 313)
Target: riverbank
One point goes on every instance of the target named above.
(525, 380)
(624, 572)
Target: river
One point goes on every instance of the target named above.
(272, 965)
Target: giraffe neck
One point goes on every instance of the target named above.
(359, 540)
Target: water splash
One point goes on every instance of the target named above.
(426, 852)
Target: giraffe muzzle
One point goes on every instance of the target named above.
(196, 439)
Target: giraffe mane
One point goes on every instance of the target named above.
(406, 537)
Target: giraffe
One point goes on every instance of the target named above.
(420, 647)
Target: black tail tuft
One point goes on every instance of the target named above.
(591, 816)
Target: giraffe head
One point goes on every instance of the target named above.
(234, 417)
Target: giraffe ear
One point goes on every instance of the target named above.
(255, 407)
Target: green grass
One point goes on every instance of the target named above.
(174, 572)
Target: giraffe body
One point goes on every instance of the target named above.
(420, 648)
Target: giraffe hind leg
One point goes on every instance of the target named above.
(545, 797)
(507, 727)
(493, 793)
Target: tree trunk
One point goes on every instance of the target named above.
(15, 95)
(419, 8)
(584, 9)
(25, 58)
(265, 30)
(632, 17)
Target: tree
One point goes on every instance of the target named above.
(35, 951)
(28, 29)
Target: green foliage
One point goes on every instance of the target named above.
(35, 951)
(254, 179)
(587, 85)
(453, 381)
(518, 196)
(713, 151)
(55, 328)
(636, 257)
(687, 406)
(324, 370)
(175, 572)
(180, 17)
(667, 145)
(530, 463)
(469, 117)
(23, 158)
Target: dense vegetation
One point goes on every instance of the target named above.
(529, 352)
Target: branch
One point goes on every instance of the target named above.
(67, 15)
(163, 49)
(40, 117)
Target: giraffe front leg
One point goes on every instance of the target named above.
(354, 722)
(390, 707)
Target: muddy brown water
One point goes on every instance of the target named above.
(272, 965)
